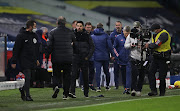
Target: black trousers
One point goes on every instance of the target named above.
(91, 72)
(158, 63)
(28, 73)
(137, 75)
(62, 77)
(79, 63)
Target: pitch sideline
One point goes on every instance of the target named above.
(105, 103)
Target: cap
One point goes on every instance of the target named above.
(154, 27)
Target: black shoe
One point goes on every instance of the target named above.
(23, 97)
(116, 88)
(128, 91)
(124, 92)
(72, 95)
(107, 88)
(65, 97)
(133, 93)
(56, 91)
(92, 87)
(86, 96)
(28, 98)
(98, 89)
(152, 93)
(162, 94)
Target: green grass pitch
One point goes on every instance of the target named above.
(113, 100)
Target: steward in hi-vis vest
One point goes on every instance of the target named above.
(161, 53)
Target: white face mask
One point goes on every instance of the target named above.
(34, 30)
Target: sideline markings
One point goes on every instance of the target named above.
(107, 103)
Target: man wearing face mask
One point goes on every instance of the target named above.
(26, 51)
(160, 44)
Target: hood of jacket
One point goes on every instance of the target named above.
(99, 31)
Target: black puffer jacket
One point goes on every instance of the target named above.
(83, 45)
(60, 45)
(26, 49)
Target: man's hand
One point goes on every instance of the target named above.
(38, 64)
(86, 58)
(13, 66)
(146, 46)
(112, 58)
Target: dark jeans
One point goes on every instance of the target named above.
(125, 72)
(79, 63)
(98, 65)
(28, 73)
(62, 77)
(160, 64)
(137, 75)
(116, 74)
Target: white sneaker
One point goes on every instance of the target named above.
(133, 93)
(138, 93)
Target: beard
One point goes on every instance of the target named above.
(118, 29)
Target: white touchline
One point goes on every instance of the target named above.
(107, 103)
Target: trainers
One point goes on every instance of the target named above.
(124, 92)
(138, 93)
(133, 93)
(128, 91)
(107, 88)
(86, 96)
(72, 95)
(56, 91)
(116, 88)
(92, 87)
(65, 97)
(82, 88)
(98, 89)
(152, 93)
(28, 98)
(23, 97)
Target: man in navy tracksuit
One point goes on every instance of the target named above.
(114, 34)
(122, 55)
(103, 47)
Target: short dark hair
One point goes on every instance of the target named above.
(80, 22)
(119, 21)
(74, 21)
(61, 20)
(30, 23)
(99, 25)
(88, 23)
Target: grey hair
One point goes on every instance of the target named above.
(127, 29)
(44, 29)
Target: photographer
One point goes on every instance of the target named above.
(134, 44)
(160, 44)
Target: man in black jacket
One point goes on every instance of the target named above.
(26, 52)
(60, 47)
(83, 49)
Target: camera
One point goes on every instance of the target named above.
(143, 34)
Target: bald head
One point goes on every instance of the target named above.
(61, 20)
